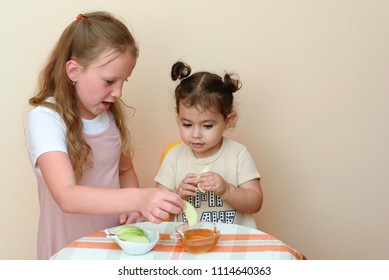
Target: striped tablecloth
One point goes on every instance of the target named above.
(236, 243)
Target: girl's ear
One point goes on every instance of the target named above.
(231, 119)
(73, 70)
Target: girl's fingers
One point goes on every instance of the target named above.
(122, 219)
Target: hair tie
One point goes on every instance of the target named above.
(79, 17)
(185, 72)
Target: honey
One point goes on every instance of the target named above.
(199, 240)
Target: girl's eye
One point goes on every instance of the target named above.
(110, 82)
(208, 126)
(187, 125)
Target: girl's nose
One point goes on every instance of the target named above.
(117, 92)
(196, 133)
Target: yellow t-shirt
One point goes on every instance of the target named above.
(233, 162)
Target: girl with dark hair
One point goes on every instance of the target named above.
(216, 174)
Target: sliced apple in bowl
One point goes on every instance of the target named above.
(128, 230)
(132, 239)
(133, 234)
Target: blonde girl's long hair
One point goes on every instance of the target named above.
(83, 40)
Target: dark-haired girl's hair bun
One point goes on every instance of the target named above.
(231, 84)
(180, 70)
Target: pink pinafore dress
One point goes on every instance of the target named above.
(56, 228)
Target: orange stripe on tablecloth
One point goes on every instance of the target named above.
(176, 250)
(97, 234)
(94, 245)
(115, 246)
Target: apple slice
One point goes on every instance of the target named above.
(136, 238)
(203, 170)
(132, 234)
(128, 228)
(190, 213)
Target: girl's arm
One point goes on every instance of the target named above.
(127, 174)
(128, 179)
(154, 204)
(247, 198)
(158, 185)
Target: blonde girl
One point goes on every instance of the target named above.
(78, 141)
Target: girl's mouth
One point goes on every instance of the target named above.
(106, 105)
(197, 145)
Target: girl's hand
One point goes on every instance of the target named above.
(156, 204)
(188, 186)
(211, 181)
(130, 218)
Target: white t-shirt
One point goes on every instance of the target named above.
(233, 162)
(46, 131)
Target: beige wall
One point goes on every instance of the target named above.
(313, 107)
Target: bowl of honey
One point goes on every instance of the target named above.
(197, 239)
